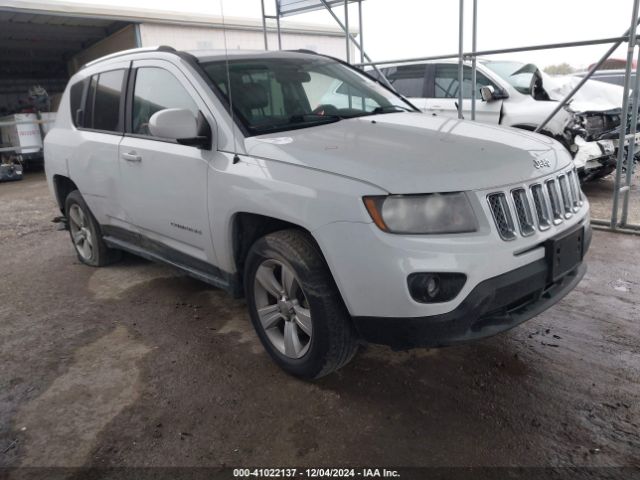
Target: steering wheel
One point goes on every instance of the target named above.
(325, 109)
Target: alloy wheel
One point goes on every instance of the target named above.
(80, 232)
(283, 308)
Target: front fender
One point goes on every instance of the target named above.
(296, 194)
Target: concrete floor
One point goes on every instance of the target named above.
(138, 365)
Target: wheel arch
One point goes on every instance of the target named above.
(63, 186)
(247, 228)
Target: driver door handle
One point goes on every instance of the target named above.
(131, 156)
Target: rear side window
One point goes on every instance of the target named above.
(407, 80)
(102, 110)
(156, 89)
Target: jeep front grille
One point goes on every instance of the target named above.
(539, 205)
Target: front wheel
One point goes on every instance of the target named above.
(295, 306)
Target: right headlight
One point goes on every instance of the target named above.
(422, 214)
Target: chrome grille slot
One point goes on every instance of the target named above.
(554, 201)
(523, 212)
(575, 195)
(502, 215)
(576, 183)
(567, 202)
(542, 209)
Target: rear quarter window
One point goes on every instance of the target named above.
(76, 94)
(103, 107)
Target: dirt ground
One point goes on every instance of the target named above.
(139, 365)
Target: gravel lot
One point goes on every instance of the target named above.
(139, 365)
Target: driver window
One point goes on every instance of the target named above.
(156, 89)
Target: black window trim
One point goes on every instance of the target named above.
(121, 113)
(128, 115)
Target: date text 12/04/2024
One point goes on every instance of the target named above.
(315, 473)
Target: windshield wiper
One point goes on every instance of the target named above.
(314, 118)
(298, 121)
(390, 109)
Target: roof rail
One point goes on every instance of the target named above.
(161, 48)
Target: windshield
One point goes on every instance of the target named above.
(277, 94)
(511, 72)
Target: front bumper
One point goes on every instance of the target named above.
(599, 157)
(494, 306)
(484, 308)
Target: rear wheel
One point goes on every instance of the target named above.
(85, 233)
(295, 306)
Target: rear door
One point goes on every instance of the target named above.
(443, 94)
(164, 184)
(98, 115)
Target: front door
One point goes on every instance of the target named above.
(444, 95)
(164, 184)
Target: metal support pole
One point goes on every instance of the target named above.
(264, 26)
(346, 23)
(485, 53)
(596, 66)
(361, 28)
(138, 35)
(460, 59)
(278, 24)
(624, 114)
(632, 144)
(357, 44)
(474, 39)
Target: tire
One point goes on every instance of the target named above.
(314, 312)
(85, 233)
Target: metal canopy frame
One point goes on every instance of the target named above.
(621, 187)
(327, 5)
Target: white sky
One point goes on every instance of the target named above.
(412, 28)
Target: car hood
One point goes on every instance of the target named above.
(416, 153)
(593, 96)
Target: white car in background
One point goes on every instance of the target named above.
(519, 95)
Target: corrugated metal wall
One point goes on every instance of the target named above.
(199, 38)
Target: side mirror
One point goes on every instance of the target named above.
(487, 93)
(180, 125)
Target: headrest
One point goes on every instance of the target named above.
(250, 95)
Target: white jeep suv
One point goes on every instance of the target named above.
(339, 225)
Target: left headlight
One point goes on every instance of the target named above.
(422, 214)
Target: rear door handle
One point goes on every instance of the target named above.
(131, 157)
